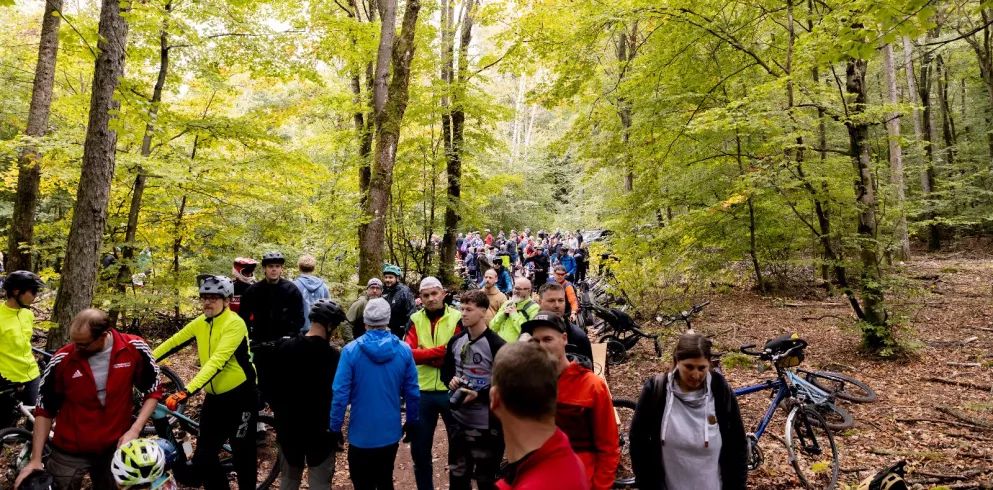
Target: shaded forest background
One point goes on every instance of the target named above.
(779, 145)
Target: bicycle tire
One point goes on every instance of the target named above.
(625, 412)
(837, 418)
(837, 384)
(802, 423)
(173, 383)
(15, 451)
(616, 352)
(270, 454)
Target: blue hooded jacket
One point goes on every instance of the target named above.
(375, 370)
(312, 288)
(567, 261)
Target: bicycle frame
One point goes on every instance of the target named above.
(782, 390)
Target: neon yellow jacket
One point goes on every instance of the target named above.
(509, 326)
(17, 364)
(222, 344)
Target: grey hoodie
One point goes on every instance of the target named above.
(691, 438)
(312, 288)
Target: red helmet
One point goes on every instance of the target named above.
(243, 268)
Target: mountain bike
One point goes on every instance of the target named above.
(684, 316)
(810, 444)
(621, 334)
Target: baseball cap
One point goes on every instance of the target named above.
(544, 319)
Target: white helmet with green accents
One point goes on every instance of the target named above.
(138, 462)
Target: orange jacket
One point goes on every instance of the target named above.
(585, 413)
(570, 296)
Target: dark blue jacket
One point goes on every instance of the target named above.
(375, 370)
(568, 261)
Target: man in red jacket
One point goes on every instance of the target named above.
(522, 396)
(87, 389)
(585, 410)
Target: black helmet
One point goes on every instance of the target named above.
(22, 281)
(273, 257)
(327, 312)
(37, 480)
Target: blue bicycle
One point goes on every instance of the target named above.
(810, 445)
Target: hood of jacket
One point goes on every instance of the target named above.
(379, 345)
(310, 283)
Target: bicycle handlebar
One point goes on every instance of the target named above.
(745, 349)
(766, 354)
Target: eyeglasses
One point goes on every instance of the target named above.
(210, 299)
(560, 273)
(522, 289)
(86, 345)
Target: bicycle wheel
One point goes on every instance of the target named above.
(625, 412)
(616, 353)
(15, 452)
(841, 386)
(169, 383)
(268, 454)
(811, 449)
(837, 418)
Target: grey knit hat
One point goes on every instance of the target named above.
(377, 313)
(374, 282)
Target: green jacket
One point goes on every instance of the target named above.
(509, 326)
(17, 363)
(222, 344)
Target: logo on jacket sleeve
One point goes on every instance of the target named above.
(122, 365)
(77, 374)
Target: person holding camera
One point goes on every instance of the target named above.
(475, 441)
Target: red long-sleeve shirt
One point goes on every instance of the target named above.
(434, 356)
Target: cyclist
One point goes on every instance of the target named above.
(242, 273)
(523, 399)
(401, 300)
(540, 263)
(572, 304)
(230, 407)
(504, 283)
(311, 287)
(272, 309)
(582, 257)
(519, 309)
(475, 443)
(428, 334)
(551, 297)
(562, 258)
(584, 411)
(303, 403)
(17, 364)
(688, 420)
(87, 388)
(374, 373)
(495, 296)
(373, 290)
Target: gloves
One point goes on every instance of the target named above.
(337, 442)
(409, 431)
(175, 399)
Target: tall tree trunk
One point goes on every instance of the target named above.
(21, 238)
(947, 130)
(388, 121)
(626, 52)
(876, 335)
(896, 153)
(983, 47)
(752, 246)
(518, 118)
(362, 117)
(908, 66)
(928, 138)
(90, 212)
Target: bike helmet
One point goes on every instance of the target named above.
(243, 268)
(22, 281)
(327, 312)
(273, 257)
(216, 285)
(37, 480)
(391, 269)
(889, 479)
(137, 462)
(168, 450)
(784, 343)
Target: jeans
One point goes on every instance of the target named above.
(473, 454)
(229, 416)
(68, 469)
(433, 403)
(371, 469)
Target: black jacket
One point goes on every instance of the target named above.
(302, 404)
(646, 428)
(578, 342)
(272, 311)
(402, 305)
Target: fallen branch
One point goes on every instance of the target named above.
(964, 364)
(965, 417)
(964, 486)
(815, 318)
(940, 477)
(908, 454)
(966, 384)
(942, 421)
(984, 329)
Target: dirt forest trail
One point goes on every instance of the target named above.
(946, 307)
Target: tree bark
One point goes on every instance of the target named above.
(928, 138)
(896, 153)
(983, 48)
(387, 32)
(947, 126)
(90, 212)
(626, 52)
(877, 334)
(388, 122)
(21, 237)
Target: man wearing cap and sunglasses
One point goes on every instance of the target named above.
(373, 290)
(585, 410)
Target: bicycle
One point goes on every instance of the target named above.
(685, 316)
(808, 437)
(621, 334)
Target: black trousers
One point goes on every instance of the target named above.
(474, 454)
(231, 416)
(372, 469)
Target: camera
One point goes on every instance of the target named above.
(456, 397)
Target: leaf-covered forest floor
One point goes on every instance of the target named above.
(942, 303)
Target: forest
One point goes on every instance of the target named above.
(765, 144)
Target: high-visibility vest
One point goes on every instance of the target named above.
(429, 378)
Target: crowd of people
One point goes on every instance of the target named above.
(504, 368)
(534, 255)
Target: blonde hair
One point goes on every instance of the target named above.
(307, 263)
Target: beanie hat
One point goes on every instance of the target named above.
(374, 282)
(430, 282)
(377, 313)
